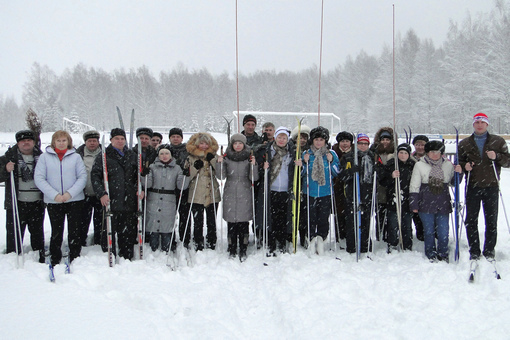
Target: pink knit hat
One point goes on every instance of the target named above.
(481, 116)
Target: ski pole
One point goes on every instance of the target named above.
(501, 195)
(177, 216)
(332, 215)
(16, 224)
(213, 197)
(264, 222)
(144, 209)
(189, 213)
(253, 202)
(308, 205)
(222, 201)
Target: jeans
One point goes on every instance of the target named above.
(435, 224)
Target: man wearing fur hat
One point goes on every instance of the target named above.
(482, 155)
(249, 125)
(204, 193)
(88, 152)
(21, 160)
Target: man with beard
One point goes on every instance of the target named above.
(344, 145)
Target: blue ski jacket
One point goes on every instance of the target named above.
(315, 190)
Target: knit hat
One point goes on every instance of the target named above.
(250, 118)
(25, 134)
(175, 131)
(344, 135)
(282, 129)
(481, 116)
(238, 137)
(90, 134)
(144, 131)
(385, 134)
(404, 147)
(157, 134)
(319, 132)
(117, 132)
(420, 137)
(304, 129)
(434, 145)
(166, 147)
(362, 138)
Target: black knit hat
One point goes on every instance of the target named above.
(25, 134)
(319, 132)
(249, 118)
(157, 134)
(144, 131)
(404, 147)
(175, 131)
(90, 134)
(164, 146)
(385, 134)
(420, 137)
(117, 132)
(434, 145)
(344, 135)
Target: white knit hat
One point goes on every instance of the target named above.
(282, 129)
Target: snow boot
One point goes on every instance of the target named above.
(320, 246)
(313, 246)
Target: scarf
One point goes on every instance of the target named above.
(318, 173)
(238, 156)
(60, 153)
(26, 173)
(276, 162)
(367, 166)
(436, 176)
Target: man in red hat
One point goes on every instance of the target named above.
(482, 155)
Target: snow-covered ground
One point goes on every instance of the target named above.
(397, 296)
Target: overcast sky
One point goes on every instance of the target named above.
(273, 34)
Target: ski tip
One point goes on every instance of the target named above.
(471, 278)
(265, 264)
(498, 277)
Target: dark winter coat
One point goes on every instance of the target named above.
(179, 154)
(237, 193)
(163, 183)
(122, 179)
(11, 155)
(253, 140)
(148, 157)
(382, 156)
(338, 183)
(347, 175)
(482, 175)
(386, 179)
(420, 196)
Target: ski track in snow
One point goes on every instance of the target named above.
(396, 296)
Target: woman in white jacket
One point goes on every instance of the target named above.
(60, 174)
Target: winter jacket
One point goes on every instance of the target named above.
(163, 183)
(382, 156)
(11, 155)
(253, 140)
(148, 157)
(237, 193)
(88, 162)
(338, 184)
(347, 175)
(201, 179)
(179, 154)
(482, 175)
(122, 179)
(53, 176)
(314, 189)
(420, 196)
(386, 179)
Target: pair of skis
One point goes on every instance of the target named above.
(473, 268)
(296, 189)
(131, 126)
(50, 266)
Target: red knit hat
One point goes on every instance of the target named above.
(363, 138)
(481, 116)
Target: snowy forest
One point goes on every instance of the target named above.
(436, 87)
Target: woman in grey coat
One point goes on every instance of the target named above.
(164, 181)
(237, 167)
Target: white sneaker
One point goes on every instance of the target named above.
(320, 245)
(312, 247)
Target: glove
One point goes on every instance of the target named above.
(354, 168)
(199, 164)
(145, 171)
(185, 172)
(209, 157)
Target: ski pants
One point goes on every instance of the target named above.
(341, 207)
(154, 240)
(320, 209)
(279, 210)
(237, 231)
(198, 225)
(407, 229)
(31, 214)
(350, 232)
(92, 208)
(490, 200)
(435, 224)
(124, 231)
(57, 213)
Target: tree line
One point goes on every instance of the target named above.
(436, 88)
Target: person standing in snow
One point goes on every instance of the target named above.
(239, 169)
(280, 165)
(482, 154)
(322, 166)
(122, 166)
(430, 197)
(388, 176)
(21, 160)
(365, 168)
(61, 176)
(419, 142)
(92, 207)
(163, 183)
(204, 189)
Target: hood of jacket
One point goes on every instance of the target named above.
(193, 149)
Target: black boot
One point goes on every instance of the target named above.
(232, 246)
(243, 246)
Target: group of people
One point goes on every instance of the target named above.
(181, 187)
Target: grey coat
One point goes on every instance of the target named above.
(237, 195)
(163, 183)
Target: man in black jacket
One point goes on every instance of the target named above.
(21, 160)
